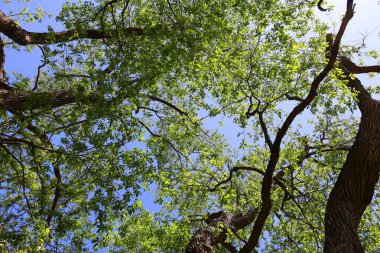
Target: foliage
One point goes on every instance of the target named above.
(145, 121)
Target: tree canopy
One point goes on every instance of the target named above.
(131, 98)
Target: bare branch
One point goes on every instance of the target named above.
(289, 97)
(354, 83)
(168, 104)
(68, 126)
(39, 69)
(229, 246)
(232, 171)
(162, 138)
(14, 140)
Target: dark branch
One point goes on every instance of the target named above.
(229, 246)
(320, 6)
(39, 69)
(23, 101)
(22, 37)
(354, 83)
(355, 69)
(168, 104)
(205, 238)
(232, 171)
(265, 130)
(295, 98)
(57, 194)
(275, 150)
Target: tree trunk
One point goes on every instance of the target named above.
(355, 186)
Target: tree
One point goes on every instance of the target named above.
(119, 106)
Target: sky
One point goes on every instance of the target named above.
(366, 22)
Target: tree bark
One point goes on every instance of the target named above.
(354, 189)
(22, 37)
(205, 238)
(15, 102)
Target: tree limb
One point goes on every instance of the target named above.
(265, 130)
(22, 37)
(24, 101)
(154, 98)
(275, 150)
(355, 69)
(205, 238)
(233, 170)
(320, 6)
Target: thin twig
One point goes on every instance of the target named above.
(39, 68)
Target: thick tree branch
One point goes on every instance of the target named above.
(2, 62)
(275, 150)
(364, 97)
(22, 37)
(355, 186)
(23, 101)
(355, 69)
(229, 247)
(208, 236)
(294, 98)
(203, 240)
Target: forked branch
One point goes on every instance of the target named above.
(276, 148)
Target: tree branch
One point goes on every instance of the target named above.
(364, 97)
(163, 138)
(205, 238)
(233, 170)
(168, 104)
(23, 101)
(22, 37)
(229, 246)
(355, 69)
(57, 194)
(265, 130)
(275, 150)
